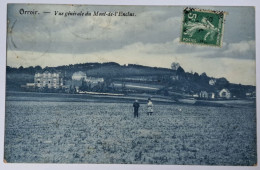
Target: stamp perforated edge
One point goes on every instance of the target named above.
(206, 11)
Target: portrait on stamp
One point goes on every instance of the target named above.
(93, 84)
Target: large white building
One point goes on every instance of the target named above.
(48, 79)
(82, 76)
(79, 76)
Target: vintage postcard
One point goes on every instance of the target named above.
(168, 85)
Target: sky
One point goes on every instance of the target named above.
(150, 38)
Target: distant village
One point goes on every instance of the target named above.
(173, 82)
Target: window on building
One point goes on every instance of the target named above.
(49, 82)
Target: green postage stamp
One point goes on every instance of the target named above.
(203, 27)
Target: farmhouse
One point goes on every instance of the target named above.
(29, 86)
(49, 79)
(82, 76)
(212, 82)
(80, 80)
(225, 93)
(79, 75)
(195, 95)
(203, 94)
(175, 77)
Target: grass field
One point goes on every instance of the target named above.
(98, 132)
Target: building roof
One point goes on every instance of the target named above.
(225, 90)
(49, 70)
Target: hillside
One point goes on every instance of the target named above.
(171, 80)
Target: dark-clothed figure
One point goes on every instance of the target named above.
(136, 107)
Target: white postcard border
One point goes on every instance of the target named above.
(3, 15)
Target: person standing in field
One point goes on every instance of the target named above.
(136, 106)
(149, 107)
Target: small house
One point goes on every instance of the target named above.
(225, 93)
(212, 82)
(175, 77)
(195, 95)
(30, 85)
(203, 94)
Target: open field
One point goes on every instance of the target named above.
(101, 132)
(65, 97)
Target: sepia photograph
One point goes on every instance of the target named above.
(126, 84)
